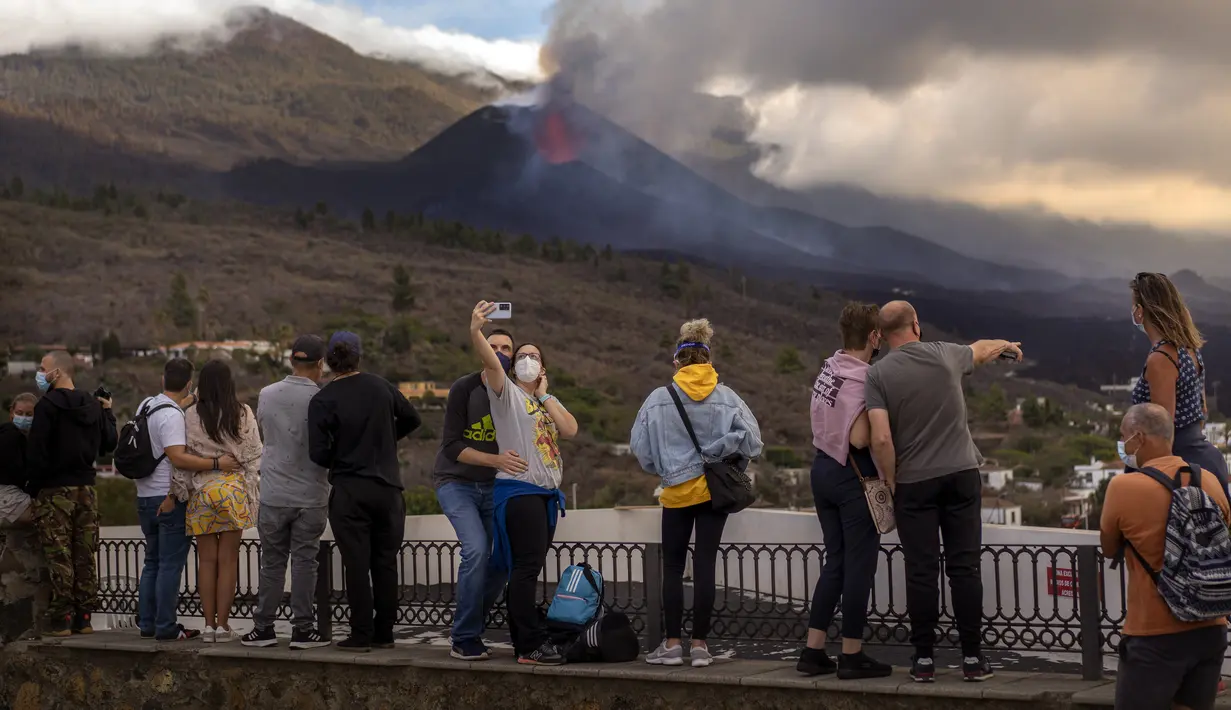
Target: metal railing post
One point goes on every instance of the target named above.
(324, 590)
(652, 579)
(1091, 611)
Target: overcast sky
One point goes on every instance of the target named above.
(1103, 109)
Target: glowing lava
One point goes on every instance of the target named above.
(557, 142)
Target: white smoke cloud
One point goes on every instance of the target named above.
(135, 26)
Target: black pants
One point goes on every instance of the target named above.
(947, 506)
(525, 520)
(368, 518)
(1184, 668)
(852, 544)
(678, 524)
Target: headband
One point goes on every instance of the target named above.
(681, 346)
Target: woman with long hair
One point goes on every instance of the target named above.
(529, 422)
(724, 427)
(221, 504)
(841, 434)
(1174, 373)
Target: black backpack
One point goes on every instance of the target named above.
(609, 638)
(134, 455)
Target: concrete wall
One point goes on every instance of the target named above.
(22, 598)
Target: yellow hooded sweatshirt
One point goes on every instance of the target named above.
(696, 381)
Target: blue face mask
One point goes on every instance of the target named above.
(1133, 315)
(505, 362)
(23, 423)
(40, 379)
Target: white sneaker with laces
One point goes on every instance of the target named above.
(209, 635)
(663, 656)
(700, 656)
(226, 635)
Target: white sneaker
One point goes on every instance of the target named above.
(700, 656)
(663, 656)
(209, 635)
(225, 635)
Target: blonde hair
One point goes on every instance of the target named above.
(699, 332)
(1162, 303)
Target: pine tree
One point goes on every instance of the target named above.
(180, 308)
(403, 290)
(368, 220)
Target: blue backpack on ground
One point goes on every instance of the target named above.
(579, 597)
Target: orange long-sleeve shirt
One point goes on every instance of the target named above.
(1136, 509)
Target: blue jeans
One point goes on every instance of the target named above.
(470, 510)
(166, 553)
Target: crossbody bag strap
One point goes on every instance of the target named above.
(679, 406)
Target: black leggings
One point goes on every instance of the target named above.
(678, 526)
(525, 519)
(852, 545)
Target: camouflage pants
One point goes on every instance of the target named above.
(67, 522)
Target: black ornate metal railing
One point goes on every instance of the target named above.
(1036, 597)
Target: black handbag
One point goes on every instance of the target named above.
(730, 487)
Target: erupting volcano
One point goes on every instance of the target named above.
(557, 142)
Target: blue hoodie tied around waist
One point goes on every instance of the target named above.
(505, 490)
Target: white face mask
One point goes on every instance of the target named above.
(1130, 460)
(1133, 315)
(527, 369)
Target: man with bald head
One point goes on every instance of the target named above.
(71, 429)
(923, 448)
(1164, 662)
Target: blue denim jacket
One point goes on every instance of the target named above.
(723, 423)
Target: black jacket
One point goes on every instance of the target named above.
(70, 431)
(354, 424)
(12, 456)
(468, 425)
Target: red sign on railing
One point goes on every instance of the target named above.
(1061, 582)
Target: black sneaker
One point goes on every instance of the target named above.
(181, 634)
(923, 670)
(354, 645)
(857, 666)
(814, 661)
(81, 623)
(977, 669)
(472, 650)
(59, 626)
(545, 655)
(304, 639)
(260, 638)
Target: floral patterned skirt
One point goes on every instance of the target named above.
(220, 505)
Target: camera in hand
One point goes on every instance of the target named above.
(102, 392)
(1008, 355)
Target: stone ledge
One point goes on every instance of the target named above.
(131, 672)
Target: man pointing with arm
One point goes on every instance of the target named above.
(923, 447)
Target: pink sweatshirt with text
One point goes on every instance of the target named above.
(837, 400)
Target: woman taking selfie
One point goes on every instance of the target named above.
(724, 428)
(221, 504)
(1174, 374)
(529, 423)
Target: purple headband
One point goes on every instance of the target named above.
(681, 346)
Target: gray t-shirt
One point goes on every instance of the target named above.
(289, 479)
(920, 385)
(523, 425)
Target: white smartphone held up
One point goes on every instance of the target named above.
(504, 311)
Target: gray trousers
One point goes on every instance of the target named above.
(295, 534)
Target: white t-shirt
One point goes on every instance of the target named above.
(166, 429)
(523, 425)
